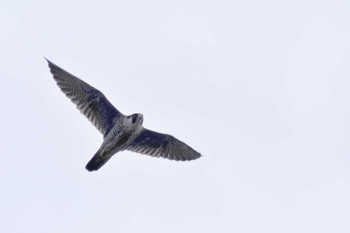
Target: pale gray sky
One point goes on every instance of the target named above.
(260, 88)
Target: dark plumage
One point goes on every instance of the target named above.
(119, 132)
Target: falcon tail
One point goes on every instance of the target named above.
(99, 159)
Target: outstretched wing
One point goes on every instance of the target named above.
(90, 101)
(162, 145)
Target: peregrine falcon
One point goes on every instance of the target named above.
(120, 132)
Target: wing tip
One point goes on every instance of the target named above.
(48, 61)
(52, 66)
(194, 156)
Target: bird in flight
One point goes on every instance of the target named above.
(120, 132)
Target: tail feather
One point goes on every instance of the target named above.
(99, 159)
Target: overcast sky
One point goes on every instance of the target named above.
(260, 88)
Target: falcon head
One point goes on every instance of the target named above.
(136, 118)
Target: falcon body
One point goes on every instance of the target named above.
(119, 132)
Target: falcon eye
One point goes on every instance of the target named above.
(134, 119)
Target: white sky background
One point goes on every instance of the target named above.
(260, 88)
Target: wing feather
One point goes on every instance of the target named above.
(91, 102)
(162, 145)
